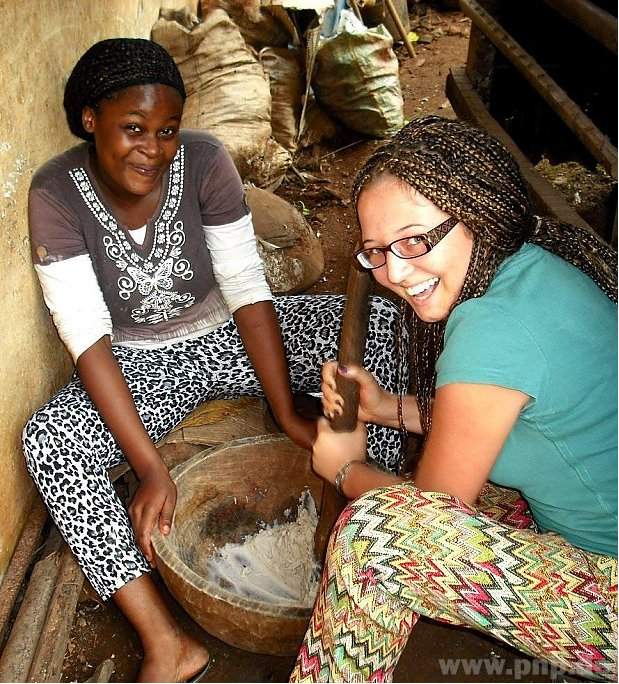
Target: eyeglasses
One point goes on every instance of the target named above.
(404, 248)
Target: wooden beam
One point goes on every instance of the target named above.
(592, 19)
(468, 106)
(568, 111)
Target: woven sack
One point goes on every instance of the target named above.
(227, 90)
(260, 26)
(287, 84)
(356, 79)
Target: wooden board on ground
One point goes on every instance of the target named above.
(216, 422)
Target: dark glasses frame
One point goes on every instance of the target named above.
(438, 233)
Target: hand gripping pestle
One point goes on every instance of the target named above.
(352, 346)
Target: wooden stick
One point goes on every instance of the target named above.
(352, 346)
(22, 556)
(50, 652)
(400, 27)
(22, 642)
(36, 645)
(354, 7)
(104, 671)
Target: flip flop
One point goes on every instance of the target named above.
(198, 676)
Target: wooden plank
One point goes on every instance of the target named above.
(480, 63)
(598, 144)
(545, 196)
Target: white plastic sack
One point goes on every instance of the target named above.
(356, 79)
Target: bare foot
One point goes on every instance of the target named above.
(174, 660)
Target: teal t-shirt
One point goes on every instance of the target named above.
(546, 329)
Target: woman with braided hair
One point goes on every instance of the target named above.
(509, 523)
(144, 247)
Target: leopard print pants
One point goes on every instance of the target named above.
(69, 450)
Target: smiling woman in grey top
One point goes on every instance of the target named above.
(144, 247)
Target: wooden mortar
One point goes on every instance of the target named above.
(224, 493)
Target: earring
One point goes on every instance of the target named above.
(87, 119)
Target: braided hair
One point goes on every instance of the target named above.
(472, 177)
(111, 65)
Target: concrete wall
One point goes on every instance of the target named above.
(40, 41)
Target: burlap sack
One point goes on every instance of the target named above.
(356, 79)
(227, 90)
(291, 252)
(260, 26)
(287, 84)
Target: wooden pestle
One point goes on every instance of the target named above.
(352, 346)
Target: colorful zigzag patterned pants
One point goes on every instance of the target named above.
(397, 553)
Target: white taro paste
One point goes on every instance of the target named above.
(276, 565)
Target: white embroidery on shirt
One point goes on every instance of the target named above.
(159, 280)
(150, 275)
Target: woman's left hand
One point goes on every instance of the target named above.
(153, 504)
(332, 449)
